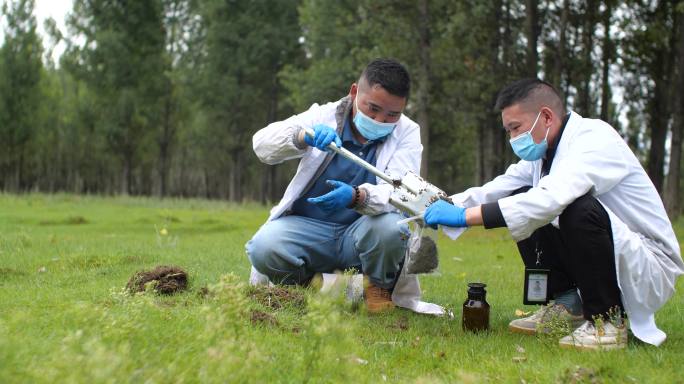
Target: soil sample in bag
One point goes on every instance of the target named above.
(476, 309)
(425, 259)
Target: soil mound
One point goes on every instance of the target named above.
(166, 280)
(277, 297)
(260, 317)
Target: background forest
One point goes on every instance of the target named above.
(162, 97)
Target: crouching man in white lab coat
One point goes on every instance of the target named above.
(586, 217)
(336, 215)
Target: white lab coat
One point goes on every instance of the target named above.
(592, 158)
(399, 153)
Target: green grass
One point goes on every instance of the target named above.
(64, 261)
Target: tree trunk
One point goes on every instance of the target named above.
(556, 77)
(164, 144)
(586, 68)
(505, 37)
(126, 177)
(607, 59)
(659, 107)
(182, 174)
(423, 91)
(658, 122)
(480, 155)
(235, 189)
(20, 170)
(205, 178)
(497, 135)
(672, 184)
(532, 34)
(508, 54)
(268, 176)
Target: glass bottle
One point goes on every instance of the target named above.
(476, 309)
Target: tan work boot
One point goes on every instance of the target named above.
(377, 299)
(541, 320)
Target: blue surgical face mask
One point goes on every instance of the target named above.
(369, 128)
(524, 146)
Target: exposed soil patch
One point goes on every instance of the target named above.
(580, 375)
(277, 297)
(260, 317)
(203, 292)
(9, 272)
(166, 280)
(402, 323)
(72, 220)
(169, 218)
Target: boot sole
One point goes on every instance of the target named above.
(379, 308)
(593, 347)
(528, 331)
(524, 331)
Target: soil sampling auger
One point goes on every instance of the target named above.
(412, 194)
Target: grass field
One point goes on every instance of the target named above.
(64, 316)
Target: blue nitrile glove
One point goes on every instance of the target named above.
(323, 135)
(443, 213)
(339, 198)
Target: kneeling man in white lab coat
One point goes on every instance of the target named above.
(591, 228)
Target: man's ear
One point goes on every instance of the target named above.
(547, 115)
(353, 91)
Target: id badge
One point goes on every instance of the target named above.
(536, 286)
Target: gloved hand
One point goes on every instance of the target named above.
(441, 212)
(323, 135)
(339, 198)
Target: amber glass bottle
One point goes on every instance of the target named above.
(476, 308)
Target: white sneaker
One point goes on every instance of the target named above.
(540, 320)
(603, 337)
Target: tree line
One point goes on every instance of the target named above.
(162, 97)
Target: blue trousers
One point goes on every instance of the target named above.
(291, 249)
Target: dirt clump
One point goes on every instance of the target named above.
(165, 280)
(71, 220)
(580, 375)
(277, 297)
(204, 292)
(260, 317)
(402, 323)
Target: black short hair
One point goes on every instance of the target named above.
(389, 74)
(522, 90)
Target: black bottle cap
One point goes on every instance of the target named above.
(476, 291)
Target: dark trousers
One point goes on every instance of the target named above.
(579, 255)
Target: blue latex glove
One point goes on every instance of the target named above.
(339, 198)
(443, 213)
(323, 135)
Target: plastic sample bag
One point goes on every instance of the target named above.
(422, 255)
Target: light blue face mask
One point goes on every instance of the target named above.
(369, 128)
(524, 146)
